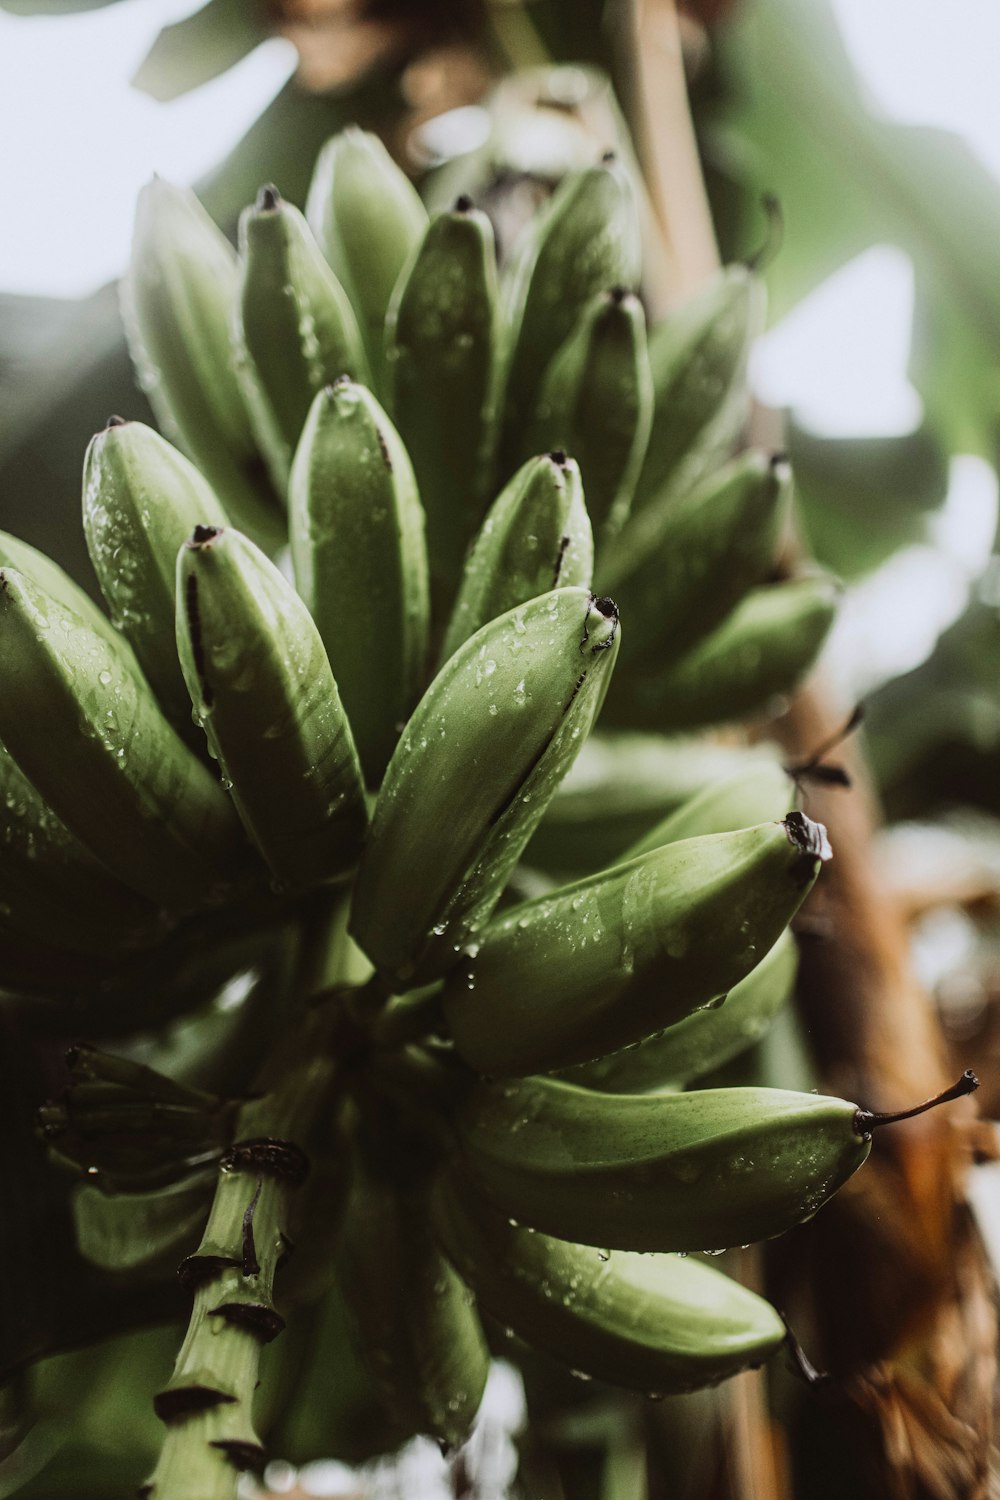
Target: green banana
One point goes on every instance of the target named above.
(141, 499)
(129, 1124)
(52, 891)
(703, 1041)
(620, 784)
(144, 1233)
(698, 358)
(586, 239)
(82, 725)
(685, 565)
(536, 536)
(51, 578)
(763, 649)
(414, 1323)
(177, 304)
(368, 219)
(261, 685)
(658, 1324)
(440, 353)
(357, 534)
(606, 962)
(295, 327)
(756, 793)
(476, 766)
(596, 402)
(705, 1170)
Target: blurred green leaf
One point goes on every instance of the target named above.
(862, 498)
(794, 121)
(200, 47)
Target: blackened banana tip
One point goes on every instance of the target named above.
(607, 157)
(808, 837)
(203, 536)
(558, 456)
(268, 199)
(115, 421)
(463, 204)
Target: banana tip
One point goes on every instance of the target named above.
(204, 536)
(808, 837)
(268, 199)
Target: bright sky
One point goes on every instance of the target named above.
(77, 143)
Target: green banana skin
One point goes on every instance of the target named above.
(414, 1323)
(369, 221)
(703, 1041)
(698, 358)
(357, 535)
(705, 1170)
(295, 327)
(685, 565)
(596, 402)
(261, 685)
(763, 649)
(620, 784)
(536, 537)
(52, 891)
(51, 578)
(758, 792)
(144, 1233)
(662, 1324)
(440, 355)
(82, 725)
(475, 767)
(586, 239)
(611, 960)
(177, 302)
(142, 499)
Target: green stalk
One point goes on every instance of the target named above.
(207, 1406)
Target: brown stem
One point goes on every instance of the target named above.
(667, 148)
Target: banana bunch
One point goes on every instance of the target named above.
(363, 619)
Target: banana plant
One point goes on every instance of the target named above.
(363, 621)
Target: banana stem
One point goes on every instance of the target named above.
(865, 1120)
(207, 1406)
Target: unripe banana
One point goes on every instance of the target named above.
(177, 304)
(82, 725)
(764, 648)
(698, 358)
(141, 500)
(486, 746)
(146, 1233)
(686, 564)
(368, 218)
(52, 891)
(659, 1324)
(758, 792)
(51, 578)
(586, 239)
(596, 402)
(414, 1323)
(440, 353)
(295, 327)
(261, 684)
(357, 533)
(703, 1041)
(606, 962)
(620, 785)
(705, 1170)
(536, 537)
